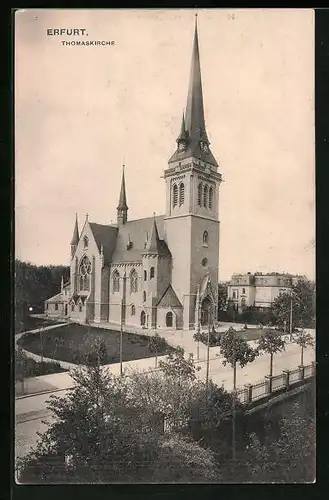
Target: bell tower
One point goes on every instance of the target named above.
(192, 192)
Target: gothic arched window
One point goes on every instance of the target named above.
(205, 238)
(169, 318)
(133, 281)
(85, 242)
(205, 196)
(200, 194)
(174, 195)
(181, 194)
(84, 274)
(116, 281)
(144, 296)
(133, 310)
(211, 193)
(152, 272)
(145, 275)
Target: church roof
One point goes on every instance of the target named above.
(154, 245)
(138, 232)
(123, 198)
(75, 237)
(105, 236)
(169, 299)
(55, 298)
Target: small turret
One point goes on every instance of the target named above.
(75, 237)
(122, 208)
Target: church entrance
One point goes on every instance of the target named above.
(207, 312)
(143, 318)
(169, 318)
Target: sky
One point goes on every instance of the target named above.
(83, 111)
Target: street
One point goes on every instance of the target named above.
(30, 411)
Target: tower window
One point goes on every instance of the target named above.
(152, 272)
(181, 194)
(85, 242)
(205, 196)
(175, 195)
(116, 281)
(144, 296)
(205, 238)
(211, 193)
(133, 310)
(204, 262)
(200, 194)
(145, 275)
(133, 281)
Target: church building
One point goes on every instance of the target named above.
(160, 271)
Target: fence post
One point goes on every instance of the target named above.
(268, 384)
(248, 393)
(286, 374)
(302, 371)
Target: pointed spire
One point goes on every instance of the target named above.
(195, 122)
(75, 237)
(183, 134)
(154, 240)
(123, 200)
(122, 208)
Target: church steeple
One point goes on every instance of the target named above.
(122, 208)
(75, 237)
(196, 142)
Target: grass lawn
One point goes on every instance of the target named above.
(31, 323)
(250, 334)
(67, 342)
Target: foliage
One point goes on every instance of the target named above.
(222, 296)
(249, 315)
(214, 337)
(303, 304)
(157, 344)
(103, 432)
(271, 341)
(303, 339)
(176, 365)
(33, 285)
(235, 349)
(287, 459)
(26, 367)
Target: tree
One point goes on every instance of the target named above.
(222, 296)
(302, 296)
(271, 342)
(290, 457)
(176, 365)
(102, 432)
(157, 344)
(303, 339)
(235, 350)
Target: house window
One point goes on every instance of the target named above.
(234, 294)
(133, 281)
(144, 296)
(211, 193)
(116, 281)
(133, 310)
(181, 194)
(56, 307)
(205, 196)
(72, 307)
(85, 242)
(200, 194)
(145, 275)
(152, 272)
(175, 195)
(84, 274)
(205, 238)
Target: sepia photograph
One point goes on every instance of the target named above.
(164, 272)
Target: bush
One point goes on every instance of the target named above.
(27, 367)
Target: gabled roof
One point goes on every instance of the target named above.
(154, 245)
(105, 236)
(169, 299)
(75, 237)
(55, 298)
(138, 232)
